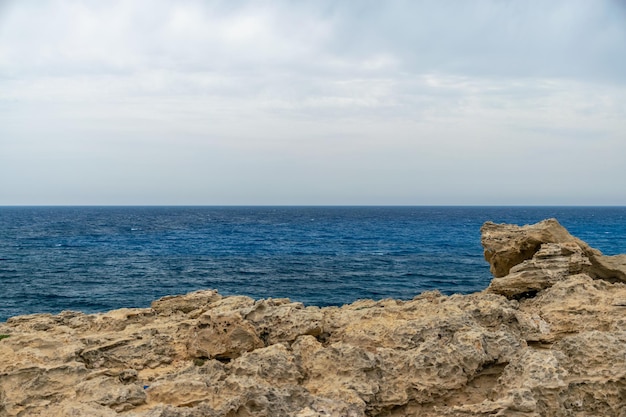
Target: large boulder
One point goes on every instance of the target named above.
(527, 259)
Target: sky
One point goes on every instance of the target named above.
(324, 102)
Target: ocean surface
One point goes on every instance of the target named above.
(94, 259)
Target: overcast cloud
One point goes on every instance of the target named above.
(319, 102)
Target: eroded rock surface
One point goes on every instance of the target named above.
(548, 338)
(528, 259)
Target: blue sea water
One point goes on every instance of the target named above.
(100, 258)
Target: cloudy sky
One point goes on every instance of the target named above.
(313, 102)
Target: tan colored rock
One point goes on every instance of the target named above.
(222, 336)
(578, 304)
(527, 259)
(554, 345)
(507, 245)
(197, 300)
(552, 263)
(280, 320)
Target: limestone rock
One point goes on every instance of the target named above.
(546, 339)
(578, 304)
(507, 245)
(279, 320)
(197, 300)
(550, 264)
(222, 336)
(527, 259)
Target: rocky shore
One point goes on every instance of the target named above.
(546, 338)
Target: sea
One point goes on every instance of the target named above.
(95, 259)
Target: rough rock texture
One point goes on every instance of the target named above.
(548, 338)
(531, 258)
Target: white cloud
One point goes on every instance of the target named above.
(312, 103)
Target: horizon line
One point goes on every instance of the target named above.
(314, 205)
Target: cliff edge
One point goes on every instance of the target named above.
(547, 338)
